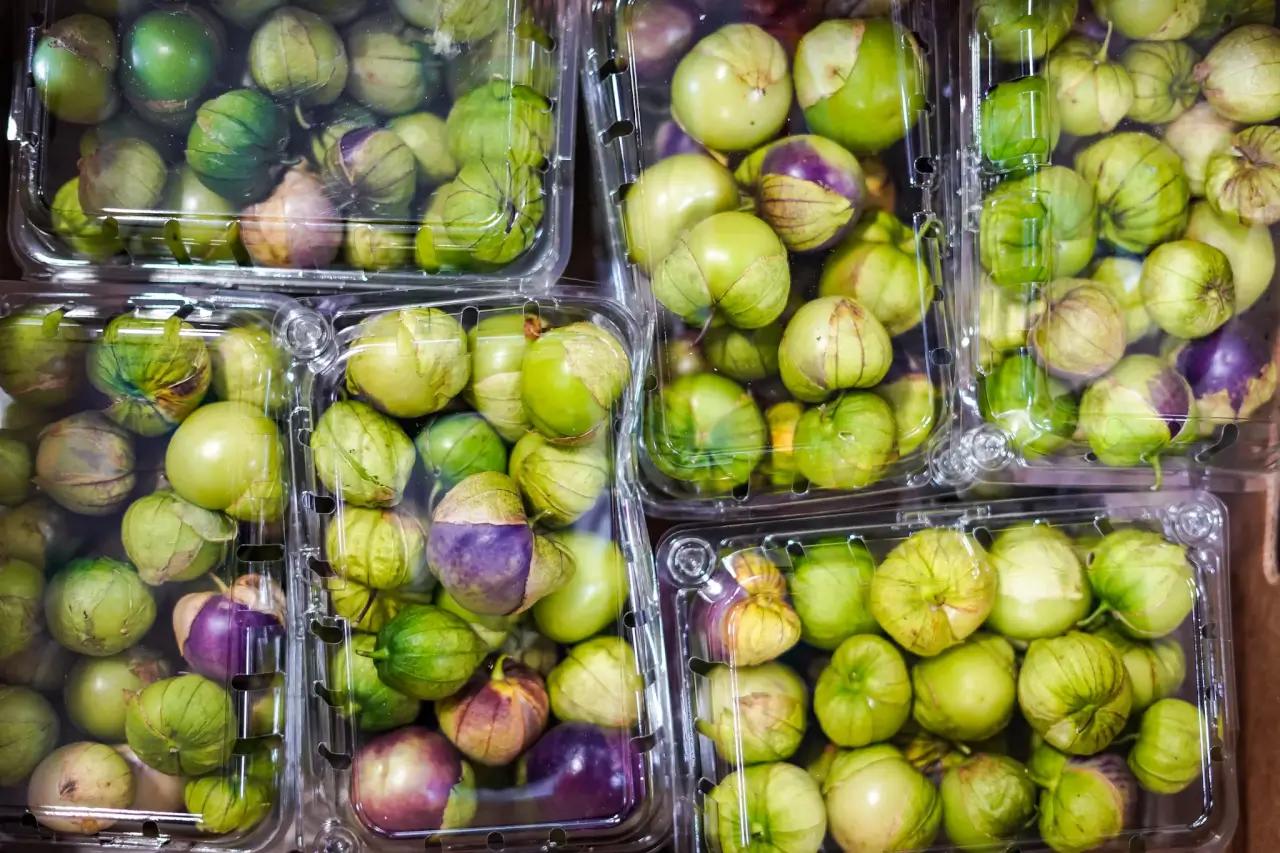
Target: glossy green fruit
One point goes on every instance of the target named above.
(168, 60)
(234, 144)
(74, 68)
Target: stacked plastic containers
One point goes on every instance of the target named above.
(182, 143)
(311, 683)
(370, 570)
(982, 676)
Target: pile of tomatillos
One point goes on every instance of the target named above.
(766, 224)
(132, 457)
(400, 133)
(474, 561)
(1040, 700)
(1127, 250)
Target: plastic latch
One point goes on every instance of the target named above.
(691, 561)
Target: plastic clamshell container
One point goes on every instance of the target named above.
(897, 266)
(1031, 345)
(346, 800)
(69, 524)
(694, 565)
(498, 178)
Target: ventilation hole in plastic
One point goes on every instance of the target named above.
(1215, 753)
(321, 567)
(184, 311)
(925, 165)
(620, 194)
(260, 553)
(495, 841)
(248, 682)
(548, 42)
(650, 384)
(1209, 631)
(741, 492)
(319, 504)
(1091, 457)
(644, 743)
(1227, 437)
(557, 837)
(330, 634)
(1104, 525)
(984, 537)
(705, 785)
(29, 821)
(795, 550)
(941, 357)
(616, 131)
(543, 165)
(929, 107)
(924, 45)
(331, 698)
(470, 317)
(1137, 844)
(150, 829)
(617, 65)
(698, 666)
(629, 619)
(337, 760)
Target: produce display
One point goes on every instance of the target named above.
(142, 446)
(393, 136)
(487, 676)
(785, 223)
(1124, 197)
(868, 690)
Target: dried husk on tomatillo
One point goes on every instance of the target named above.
(86, 463)
(560, 484)
(747, 617)
(183, 726)
(933, 590)
(833, 343)
(498, 715)
(485, 553)
(1074, 692)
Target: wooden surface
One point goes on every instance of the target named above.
(1256, 614)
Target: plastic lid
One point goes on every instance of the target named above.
(917, 680)
(1118, 298)
(789, 231)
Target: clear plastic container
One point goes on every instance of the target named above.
(1053, 377)
(577, 752)
(708, 447)
(148, 605)
(257, 187)
(827, 564)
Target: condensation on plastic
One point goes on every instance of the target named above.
(691, 562)
(624, 114)
(259, 548)
(45, 152)
(1230, 456)
(333, 822)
